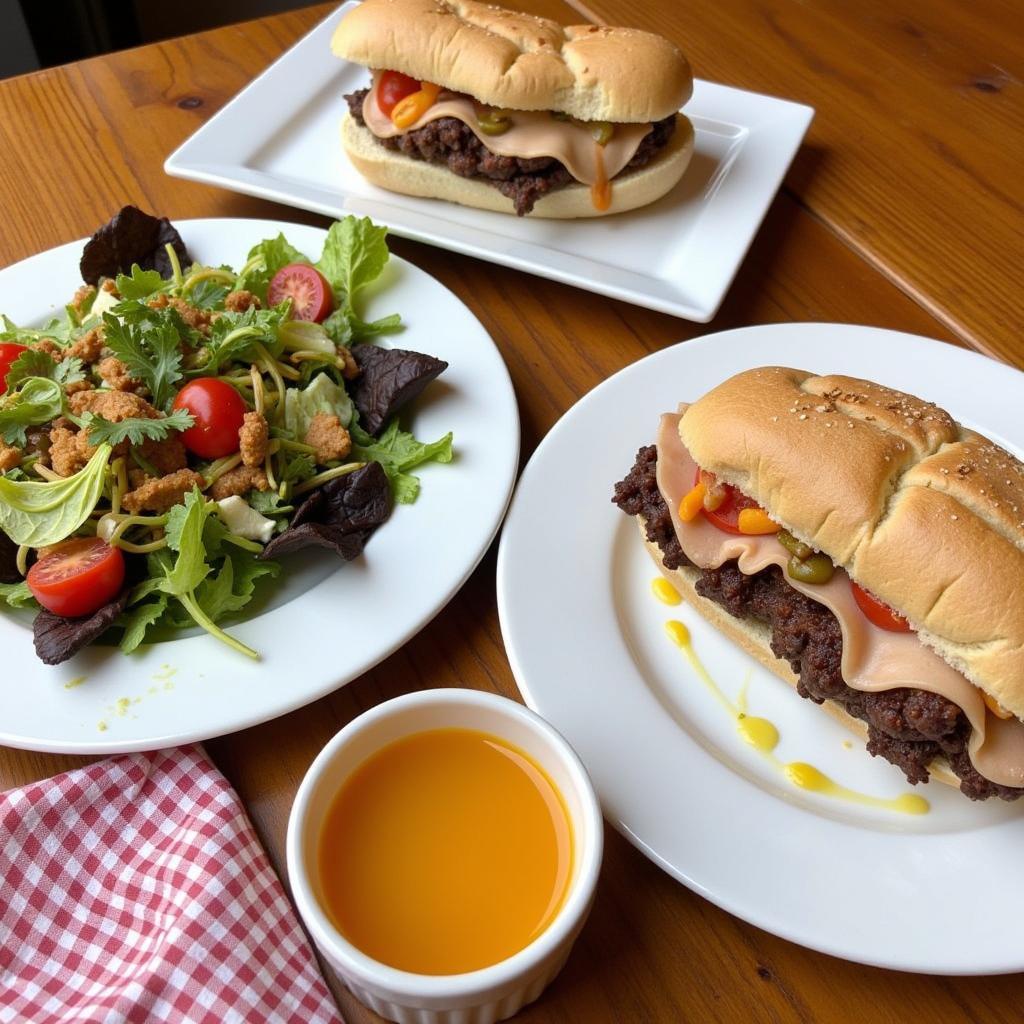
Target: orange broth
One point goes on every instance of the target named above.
(444, 852)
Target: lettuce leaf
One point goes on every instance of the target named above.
(321, 395)
(38, 514)
(398, 452)
(265, 259)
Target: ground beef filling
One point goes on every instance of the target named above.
(449, 141)
(907, 727)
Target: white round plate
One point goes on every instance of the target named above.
(328, 621)
(585, 636)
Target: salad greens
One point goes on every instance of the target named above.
(37, 514)
(95, 442)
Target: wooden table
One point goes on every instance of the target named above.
(902, 210)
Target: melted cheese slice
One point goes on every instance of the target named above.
(533, 133)
(873, 658)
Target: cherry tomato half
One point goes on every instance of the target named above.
(306, 287)
(9, 351)
(218, 411)
(726, 516)
(878, 612)
(77, 577)
(392, 87)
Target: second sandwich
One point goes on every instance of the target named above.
(495, 109)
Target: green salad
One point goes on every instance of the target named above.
(181, 427)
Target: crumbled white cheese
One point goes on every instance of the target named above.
(241, 518)
(103, 303)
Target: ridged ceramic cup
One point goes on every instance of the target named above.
(477, 997)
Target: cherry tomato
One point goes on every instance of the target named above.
(306, 287)
(878, 612)
(218, 411)
(726, 516)
(77, 577)
(9, 351)
(394, 86)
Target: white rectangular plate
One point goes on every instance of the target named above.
(279, 139)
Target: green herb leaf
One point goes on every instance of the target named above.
(269, 502)
(151, 352)
(17, 595)
(140, 284)
(398, 452)
(297, 468)
(265, 259)
(39, 514)
(38, 400)
(234, 585)
(136, 621)
(354, 255)
(232, 336)
(32, 363)
(136, 429)
(208, 294)
(185, 536)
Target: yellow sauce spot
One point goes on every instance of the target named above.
(101, 726)
(848, 744)
(806, 776)
(121, 706)
(664, 591)
(77, 681)
(678, 633)
(764, 737)
(758, 732)
(166, 672)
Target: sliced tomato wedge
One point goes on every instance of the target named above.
(306, 287)
(726, 515)
(9, 351)
(77, 577)
(392, 87)
(878, 612)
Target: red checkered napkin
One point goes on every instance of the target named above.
(135, 889)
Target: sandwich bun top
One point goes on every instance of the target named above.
(507, 59)
(922, 512)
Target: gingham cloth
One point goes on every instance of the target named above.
(135, 889)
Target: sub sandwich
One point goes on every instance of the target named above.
(500, 110)
(862, 545)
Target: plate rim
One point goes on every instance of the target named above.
(257, 226)
(842, 947)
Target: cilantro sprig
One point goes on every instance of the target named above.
(135, 429)
(151, 351)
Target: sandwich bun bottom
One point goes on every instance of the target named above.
(755, 639)
(397, 172)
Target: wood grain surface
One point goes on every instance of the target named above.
(902, 211)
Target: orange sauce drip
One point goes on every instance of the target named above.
(601, 190)
(446, 851)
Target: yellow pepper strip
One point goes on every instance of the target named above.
(755, 522)
(409, 110)
(692, 503)
(995, 707)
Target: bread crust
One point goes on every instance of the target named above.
(755, 638)
(925, 514)
(400, 173)
(508, 59)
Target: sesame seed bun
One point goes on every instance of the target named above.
(922, 512)
(507, 59)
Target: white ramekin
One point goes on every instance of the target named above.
(478, 997)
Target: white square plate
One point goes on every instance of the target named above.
(279, 139)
